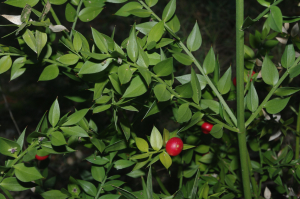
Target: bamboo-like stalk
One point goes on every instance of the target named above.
(297, 136)
(240, 98)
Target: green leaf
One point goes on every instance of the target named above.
(125, 126)
(9, 148)
(76, 117)
(136, 88)
(98, 173)
(146, 75)
(187, 78)
(100, 41)
(269, 72)
(156, 32)
(91, 67)
(74, 131)
(132, 46)
(224, 83)
(26, 174)
(50, 72)
(276, 105)
(54, 194)
(143, 59)
(98, 89)
(121, 164)
(123, 12)
(124, 192)
(88, 187)
(114, 80)
(165, 159)
(21, 3)
(285, 91)
(295, 71)
(124, 73)
(195, 119)
(184, 113)
(54, 113)
(182, 58)
(164, 68)
(25, 13)
(57, 2)
(140, 13)
(145, 27)
(217, 131)
(68, 59)
(156, 139)
(149, 184)
(194, 40)
(77, 42)
(275, 19)
(57, 138)
(288, 56)
(108, 185)
(207, 158)
(5, 64)
(252, 98)
(98, 144)
(30, 40)
(20, 140)
(70, 13)
(151, 3)
(174, 24)
(41, 40)
(102, 108)
(12, 184)
(209, 62)
(119, 145)
(16, 69)
(116, 1)
(136, 173)
(161, 92)
(141, 144)
(89, 13)
(185, 91)
(196, 87)
(97, 160)
(195, 186)
(169, 11)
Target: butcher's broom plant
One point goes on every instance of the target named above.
(214, 150)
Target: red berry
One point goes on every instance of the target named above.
(234, 81)
(206, 127)
(174, 146)
(41, 157)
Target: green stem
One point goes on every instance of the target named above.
(297, 136)
(266, 10)
(248, 81)
(224, 125)
(240, 98)
(75, 20)
(253, 181)
(12, 54)
(209, 82)
(253, 116)
(161, 185)
(100, 188)
(55, 62)
(180, 173)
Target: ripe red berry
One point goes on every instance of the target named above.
(174, 146)
(41, 157)
(206, 127)
(234, 81)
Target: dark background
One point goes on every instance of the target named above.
(28, 99)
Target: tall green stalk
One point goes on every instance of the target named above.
(240, 98)
(75, 20)
(297, 136)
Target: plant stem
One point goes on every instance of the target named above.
(161, 185)
(297, 137)
(253, 116)
(99, 190)
(75, 20)
(226, 107)
(12, 54)
(266, 10)
(240, 98)
(253, 181)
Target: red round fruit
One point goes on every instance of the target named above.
(41, 157)
(206, 127)
(174, 146)
(234, 81)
